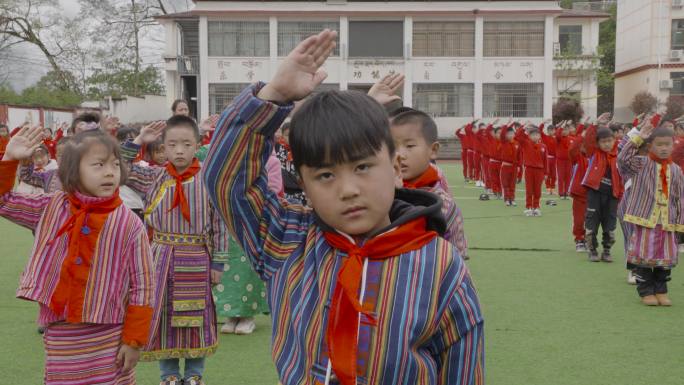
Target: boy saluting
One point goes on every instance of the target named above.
(361, 286)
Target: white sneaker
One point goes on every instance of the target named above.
(631, 279)
(514, 204)
(245, 326)
(528, 213)
(229, 326)
(536, 212)
(680, 247)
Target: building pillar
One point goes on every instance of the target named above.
(343, 33)
(408, 62)
(479, 54)
(273, 46)
(548, 67)
(203, 101)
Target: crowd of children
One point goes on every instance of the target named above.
(609, 174)
(147, 237)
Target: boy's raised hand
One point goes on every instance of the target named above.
(604, 118)
(22, 145)
(646, 130)
(385, 91)
(150, 133)
(299, 74)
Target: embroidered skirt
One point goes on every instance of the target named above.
(241, 292)
(84, 354)
(184, 322)
(652, 247)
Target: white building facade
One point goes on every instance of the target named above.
(649, 51)
(462, 59)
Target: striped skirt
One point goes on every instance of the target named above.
(84, 354)
(652, 247)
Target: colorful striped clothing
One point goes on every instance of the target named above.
(84, 354)
(454, 217)
(647, 206)
(47, 180)
(184, 323)
(429, 325)
(121, 271)
(652, 247)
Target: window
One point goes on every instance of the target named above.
(520, 100)
(513, 38)
(239, 38)
(678, 34)
(444, 99)
(677, 83)
(444, 38)
(376, 39)
(290, 33)
(570, 39)
(221, 95)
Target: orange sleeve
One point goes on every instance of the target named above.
(137, 326)
(8, 174)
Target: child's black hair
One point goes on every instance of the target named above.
(176, 103)
(660, 132)
(533, 130)
(603, 133)
(124, 132)
(154, 146)
(615, 127)
(182, 121)
(400, 111)
(87, 117)
(334, 127)
(428, 127)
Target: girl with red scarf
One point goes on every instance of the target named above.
(91, 268)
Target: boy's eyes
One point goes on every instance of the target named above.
(324, 176)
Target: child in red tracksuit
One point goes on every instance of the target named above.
(481, 138)
(493, 147)
(476, 163)
(465, 150)
(534, 161)
(564, 138)
(550, 144)
(509, 153)
(577, 155)
(604, 190)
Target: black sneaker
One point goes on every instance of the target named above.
(594, 257)
(606, 257)
(580, 247)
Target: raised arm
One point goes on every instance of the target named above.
(269, 229)
(590, 140)
(141, 178)
(629, 163)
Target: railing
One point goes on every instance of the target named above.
(583, 54)
(596, 6)
(188, 65)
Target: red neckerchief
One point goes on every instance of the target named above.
(663, 171)
(342, 330)
(428, 179)
(179, 197)
(283, 143)
(83, 227)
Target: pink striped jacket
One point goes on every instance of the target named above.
(121, 273)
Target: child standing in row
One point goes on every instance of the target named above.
(509, 152)
(340, 272)
(415, 138)
(90, 270)
(534, 161)
(189, 244)
(654, 207)
(605, 189)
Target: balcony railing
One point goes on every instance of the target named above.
(583, 53)
(188, 65)
(596, 6)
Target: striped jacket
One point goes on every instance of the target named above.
(430, 328)
(121, 273)
(646, 204)
(452, 214)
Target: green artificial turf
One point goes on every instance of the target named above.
(552, 318)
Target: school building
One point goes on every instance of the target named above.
(649, 51)
(462, 59)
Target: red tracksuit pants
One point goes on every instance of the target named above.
(508, 179)
(564, 168)
(464, 162)
(477, 166)
(495, 175)
(485, 172)
(579, 208)
(551, 177)
(534, 177)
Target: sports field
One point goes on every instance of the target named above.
(551, 317)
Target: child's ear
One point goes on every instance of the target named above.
(434, 150)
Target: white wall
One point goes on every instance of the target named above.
(133, 109)
(17, 116)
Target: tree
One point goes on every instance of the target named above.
(567, 109)
(37, 22)
(674, 107)
(606, 50)
(643, 102)
(46, 93)
(117, 79)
